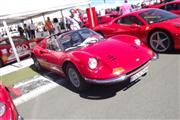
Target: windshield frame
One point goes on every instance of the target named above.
(71, 47)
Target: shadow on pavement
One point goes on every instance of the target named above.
(175, 52)
(95, 92)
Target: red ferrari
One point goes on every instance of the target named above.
(102, 19)
(85, 57)
(173, 7)
(157, 28)
(7, 108)
(23, 47)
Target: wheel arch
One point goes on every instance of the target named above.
(161, 29)
(65, 65)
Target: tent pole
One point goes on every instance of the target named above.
(12, 43)
(44, 18)
(63, 20)
(91, 14)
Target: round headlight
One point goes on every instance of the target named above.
(92, 63)
(2, 109)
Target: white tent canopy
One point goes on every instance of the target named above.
(13, 11)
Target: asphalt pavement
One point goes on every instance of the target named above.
(155, 96)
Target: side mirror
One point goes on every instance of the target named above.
(135, 26)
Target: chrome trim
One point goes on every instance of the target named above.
(20, 118)
(155, 57)
(117, 79)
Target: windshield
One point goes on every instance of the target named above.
(156, 15)
(80, 38)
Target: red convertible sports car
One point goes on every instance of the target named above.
(7, 108)
(23, 47)
(157, 28)
(84, 56)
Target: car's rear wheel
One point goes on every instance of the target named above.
(36, 63)
(160, 41)
(75, 78)
(1, 63)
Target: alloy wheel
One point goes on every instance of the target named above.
(160, 41)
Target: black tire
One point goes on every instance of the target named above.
(1, 63)
(160, 41)
(75, 78)
(36, 64)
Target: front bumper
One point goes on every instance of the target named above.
(20, 117)
(121, 77)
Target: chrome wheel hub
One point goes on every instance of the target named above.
(74, 78)
(160, 41)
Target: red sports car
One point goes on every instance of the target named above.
(84, 56)
(157, 28)
(23, 47)
(103, 19)
(7, 108)
(173, 7)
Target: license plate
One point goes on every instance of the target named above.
(139, 74)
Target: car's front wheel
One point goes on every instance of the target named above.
(36, 63)
(75, 78)
(160, 41)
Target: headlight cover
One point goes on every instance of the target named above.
(92, 62)
(155, 57)
(2, 109)
(137, 42)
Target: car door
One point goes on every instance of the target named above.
(130, 25)
(52, 55)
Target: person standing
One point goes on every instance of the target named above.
(57, 28)
(49, 26)
(21, 31)
(125, 8)
(74, 23)
(32, 30)
(27, 31)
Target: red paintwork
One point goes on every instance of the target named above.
(23, 49)
(142, 32)
(11, 112)
(122, 48)
(161, 6)
(102, 19)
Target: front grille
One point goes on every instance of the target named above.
(138, 69)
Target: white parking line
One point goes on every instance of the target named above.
(15, 67)
(36, 92)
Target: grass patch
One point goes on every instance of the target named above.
(18, 76)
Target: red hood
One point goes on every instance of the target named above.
(122, 54)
